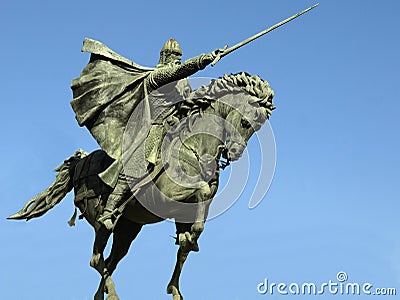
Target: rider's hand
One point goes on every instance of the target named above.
(210, 57)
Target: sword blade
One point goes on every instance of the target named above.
(256, 36)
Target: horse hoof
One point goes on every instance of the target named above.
(176, 294)
(187, 242)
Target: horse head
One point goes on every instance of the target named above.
(243, 101)
(249, 105)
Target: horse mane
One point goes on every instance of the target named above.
(202, 97)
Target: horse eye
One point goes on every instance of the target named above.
(245, 123)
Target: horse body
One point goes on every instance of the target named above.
(183, 190)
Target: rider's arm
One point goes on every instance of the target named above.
(174, 72)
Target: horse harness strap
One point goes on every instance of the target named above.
(221, 151)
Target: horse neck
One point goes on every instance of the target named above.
(207, 131)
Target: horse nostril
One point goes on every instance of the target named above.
(233, 150)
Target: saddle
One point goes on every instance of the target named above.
(87, 183)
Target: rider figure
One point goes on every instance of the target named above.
(168, 70)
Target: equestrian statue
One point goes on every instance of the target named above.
(162, 148)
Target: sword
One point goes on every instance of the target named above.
(256, 36)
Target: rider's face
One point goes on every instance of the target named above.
(172, 57)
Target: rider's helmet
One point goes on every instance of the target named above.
(171, 52)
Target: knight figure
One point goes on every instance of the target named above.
(109, 91)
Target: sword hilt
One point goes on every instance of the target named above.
(221, 53)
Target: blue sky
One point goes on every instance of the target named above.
(332, 204)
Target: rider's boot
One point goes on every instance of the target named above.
(113, 201)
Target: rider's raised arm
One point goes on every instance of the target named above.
(174, 72)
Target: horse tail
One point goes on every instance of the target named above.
(46, 200)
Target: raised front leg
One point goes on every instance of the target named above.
(188, 235)
(203, 197)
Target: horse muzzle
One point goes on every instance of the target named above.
(235, 150)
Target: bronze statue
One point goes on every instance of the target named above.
(163, 146)
(111, 87)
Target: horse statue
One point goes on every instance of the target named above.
(216, 122)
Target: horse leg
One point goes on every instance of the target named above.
(118, 196)
(188, 235)
(89, 208)
(125, 232)
(173, 285)
(203, 197)
(100, 242)
(185, 242)
(97, 261)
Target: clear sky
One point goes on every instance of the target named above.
(334, 201)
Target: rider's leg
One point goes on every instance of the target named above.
(120, 193)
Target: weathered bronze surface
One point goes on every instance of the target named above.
(162, 148)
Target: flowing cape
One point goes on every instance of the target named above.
(108, 90)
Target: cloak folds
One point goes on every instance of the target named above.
(108, 90)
